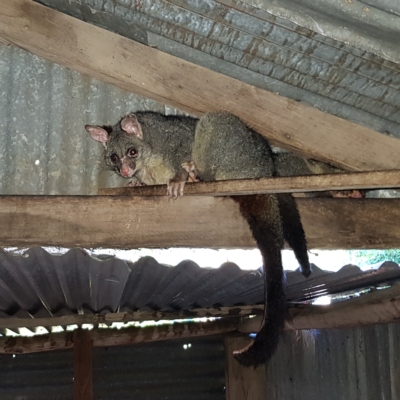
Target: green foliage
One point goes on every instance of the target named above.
(375, 256)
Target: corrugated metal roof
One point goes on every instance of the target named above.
(264, 50)
(152, 371)
(37, 284)
(44, 148)
(370, 25)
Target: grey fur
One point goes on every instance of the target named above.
(290, 164)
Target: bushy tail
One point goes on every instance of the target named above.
(262, 213)
(293, 231)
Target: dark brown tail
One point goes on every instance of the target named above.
(263, 216)
(293, 231)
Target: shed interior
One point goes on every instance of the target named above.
(320, 79)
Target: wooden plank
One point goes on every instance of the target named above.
(124, 317)
(83, 381)
(242, 383)
(290, 184)
(379, 307)
(157, 222)
(188, 87)
(114, 337)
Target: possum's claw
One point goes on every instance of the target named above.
(175, 189)
(176, 185)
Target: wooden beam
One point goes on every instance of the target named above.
(124, 317)
(378, 307)
(290, 184)
(243, 383)
(116, 337)
(189, 87)
(83, 381)
(137, 222)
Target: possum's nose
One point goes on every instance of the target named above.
(125, 172)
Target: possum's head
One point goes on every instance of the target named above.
(124, 146)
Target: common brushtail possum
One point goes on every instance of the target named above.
(151, 148)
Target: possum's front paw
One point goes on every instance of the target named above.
(190, 168)
(175, 188)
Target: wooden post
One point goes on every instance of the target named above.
(83, 385)
(242, 383)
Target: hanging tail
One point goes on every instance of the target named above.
(262, 213)
(293, 231)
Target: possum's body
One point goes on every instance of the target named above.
(150, 148)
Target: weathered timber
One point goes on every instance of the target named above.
(83, 380)
(379, 307)
(113, 337)
(124, 317)
(242, 383)
(290, 184)
(189, 87)
(157, 222)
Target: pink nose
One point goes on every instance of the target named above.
(125, 172)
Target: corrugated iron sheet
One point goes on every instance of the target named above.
(44, 148)
(163, 370)
(263, 50)
(369, 25)
(37, 284)
(44, 376)
(356, 364)
(152, 371)
(337, 364)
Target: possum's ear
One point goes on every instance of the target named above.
(131, 126)
(97, 133)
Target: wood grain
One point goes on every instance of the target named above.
(83, 380)
(290, 184)
(124, 317)
(195, 221)
(191, 88)
(242, 383)
(80, 340)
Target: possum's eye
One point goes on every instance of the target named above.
(114, 158)
(131, 152)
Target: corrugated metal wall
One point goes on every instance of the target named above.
(44, 148)
(40, 376)
(157, 371)
(349, 364)
(163, 370)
